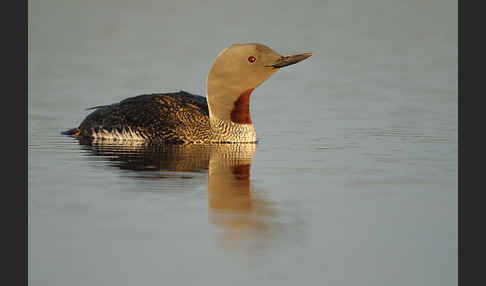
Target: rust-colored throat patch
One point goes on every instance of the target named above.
(241, 108)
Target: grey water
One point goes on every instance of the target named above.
(353, 182)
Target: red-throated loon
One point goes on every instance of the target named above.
(183, 118)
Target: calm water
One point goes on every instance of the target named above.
(354, 181)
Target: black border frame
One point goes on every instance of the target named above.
(14, 116)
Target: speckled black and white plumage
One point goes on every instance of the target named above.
(173, 118)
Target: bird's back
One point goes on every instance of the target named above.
(178, 117)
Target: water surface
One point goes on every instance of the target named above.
(354, 181)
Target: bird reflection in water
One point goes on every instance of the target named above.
(236, 208)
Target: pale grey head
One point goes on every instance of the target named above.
(238, 70)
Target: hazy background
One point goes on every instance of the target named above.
(357, 160)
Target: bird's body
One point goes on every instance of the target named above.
(172, 118)
(183, 118)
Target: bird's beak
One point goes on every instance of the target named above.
(290, 60)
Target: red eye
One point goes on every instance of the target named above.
(251, 59)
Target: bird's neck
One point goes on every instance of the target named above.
(241, 108)
(229, 113)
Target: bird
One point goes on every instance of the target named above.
(223, 116)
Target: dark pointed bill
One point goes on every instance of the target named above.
(290, 60)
